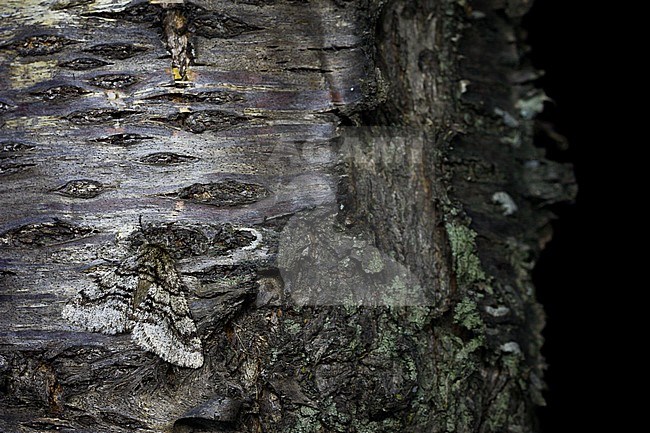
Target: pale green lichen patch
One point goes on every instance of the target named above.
(498, 411)
(373, 263)
(292, 327)
(466, 314)
(454, 379)
(419, 316)
(463, 248)
(306, 421)
(375, 426)
(511, 361)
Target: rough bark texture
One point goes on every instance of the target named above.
(270, 216)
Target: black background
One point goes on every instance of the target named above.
(571, 275)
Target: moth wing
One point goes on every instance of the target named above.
(165, 327)
(105, 306)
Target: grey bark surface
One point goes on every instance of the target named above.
(270, 216)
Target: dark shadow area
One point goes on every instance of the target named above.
(568, 278)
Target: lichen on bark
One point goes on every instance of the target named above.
(269, 147)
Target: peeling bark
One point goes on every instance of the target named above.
(336, 202)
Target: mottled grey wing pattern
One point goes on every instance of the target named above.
(105, 306)
(144, 295)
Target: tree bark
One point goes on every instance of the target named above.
(270, 216)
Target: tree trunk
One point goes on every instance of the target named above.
(270, 216)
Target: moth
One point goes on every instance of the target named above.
(145, 296)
